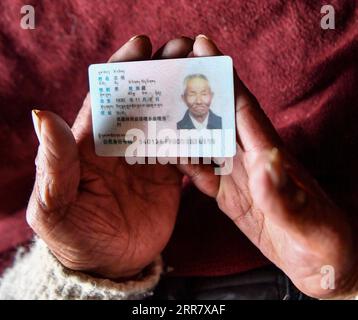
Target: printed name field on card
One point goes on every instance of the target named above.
(164, 108)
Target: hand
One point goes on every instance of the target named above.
(99, 214)
(277, 205)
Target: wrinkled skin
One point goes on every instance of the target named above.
(101, 215)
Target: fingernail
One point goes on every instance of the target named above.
(275, 170)
(136, 37)
(202, 36)
(37, 122)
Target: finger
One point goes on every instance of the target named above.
(137, 48)
(275, 191)
(175, 48)
(297, 217)
(57, 170)
(202, 175)
(255, 131)
(204, 47)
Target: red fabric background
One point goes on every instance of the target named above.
(305, 78)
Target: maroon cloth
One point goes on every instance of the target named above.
(304, 77)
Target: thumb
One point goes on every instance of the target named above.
(276, 190)
(57, 169)
(256, 134)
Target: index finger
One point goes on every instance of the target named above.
(137, 48)
(254, 129)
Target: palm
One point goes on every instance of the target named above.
(100, 214)
(299, 239)
(123, 214)
(289, 240)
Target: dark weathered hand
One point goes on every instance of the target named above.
(99, 214)
(278, 206)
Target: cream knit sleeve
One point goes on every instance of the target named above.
(37, 274)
